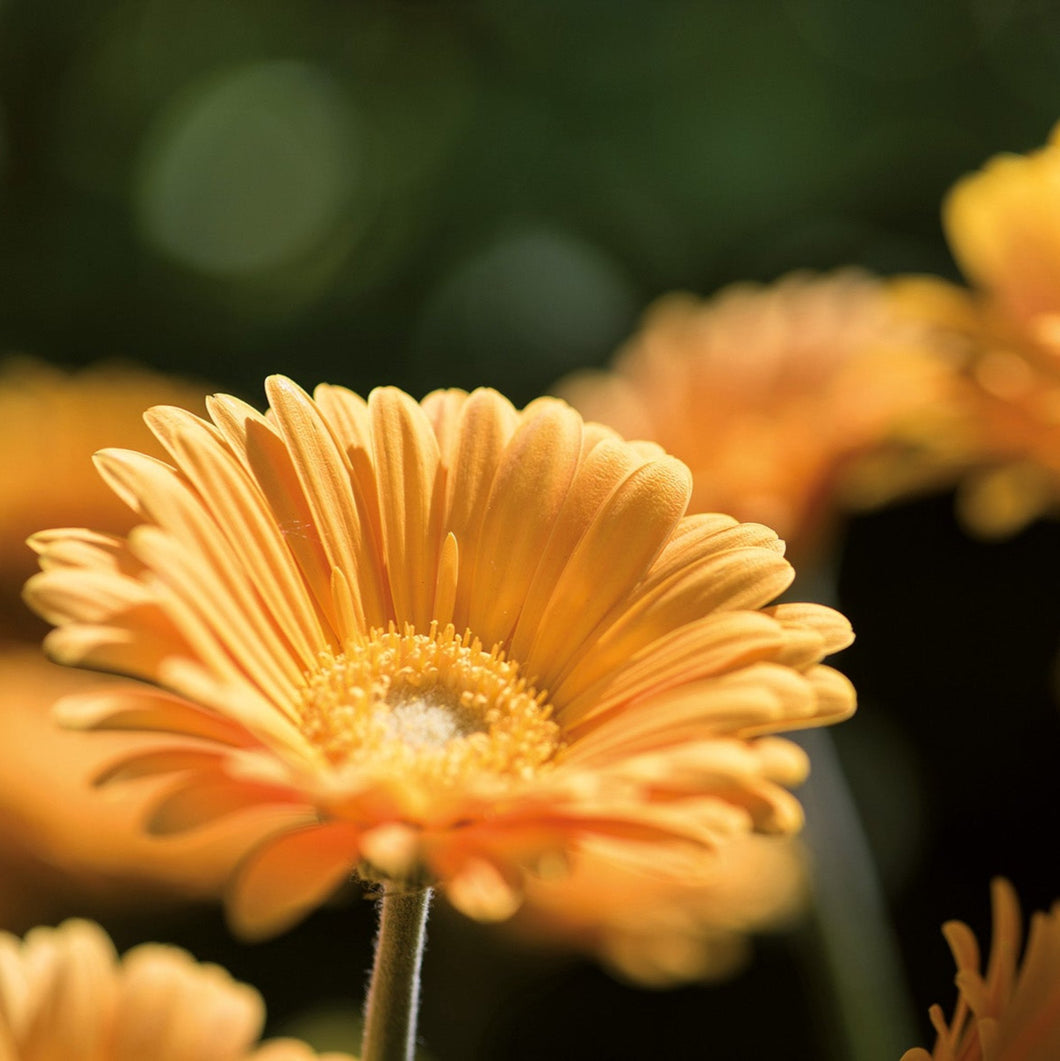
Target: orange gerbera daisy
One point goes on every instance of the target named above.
(64, 993)
(774, 395)
(658, 932)
(452, 639)
(1013, 1012)
(1003, 224)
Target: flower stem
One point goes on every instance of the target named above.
(394, 991)
(853, 933)
(856, 950)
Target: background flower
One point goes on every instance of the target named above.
(788, 402)
(1010, 1011)
(61, 850)
(65, 993)
(1003, 226)
(51, 421)
(656, 931)
(63, 846)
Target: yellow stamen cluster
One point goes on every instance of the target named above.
(436, 707)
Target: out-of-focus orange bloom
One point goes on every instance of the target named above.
(780, 398)
(1003, 224)
(454, 639)
(64, 845)
(1012, 1012)
(65, 994)
(656, 931)
(51, 421)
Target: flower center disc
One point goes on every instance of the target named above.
(435, 706)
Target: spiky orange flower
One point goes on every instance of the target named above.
(65, 994)
(658, 932)
(1003, 224)
(453, 639)
(775, 395)
(1012, 1013)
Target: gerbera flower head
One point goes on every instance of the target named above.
(64, 993)
(1003, 225)
(1012, 1011)
(450, 639)
(775, 396)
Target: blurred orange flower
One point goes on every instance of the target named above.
(659, 932)
(65, 994)
(775, 396)
(299, 582)
(1003, 224)
(63, 846)
(59, 847)
(1012, 1013)
(50, 422)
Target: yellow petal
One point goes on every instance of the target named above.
(145, 710)
(613, 553)
(713, 645)
(324, 477)
(599, 474)
(411, 479)
(530, 484)
(480, 890)
(239, 508)
(472, 452)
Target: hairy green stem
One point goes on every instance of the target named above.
(394, 991)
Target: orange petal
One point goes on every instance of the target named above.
(241, 512)
(393, 849)
(325, 481)
(146, 709)
(616, 551)
(408, 471)
(714, 645)
(531, 482)
(286, 876)
(606, 466)
(482, 890)
(74, 1008)
(472, 452)
(201, 800)
(160, 761)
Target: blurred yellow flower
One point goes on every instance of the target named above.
(65, 994)
(62, 847)
(50, 422)
(57, 849)
(1003, 224)
(659, 932)
(452, 640)
(1012, 1012)
(775, 396)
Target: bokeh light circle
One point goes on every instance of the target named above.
(247, 171)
